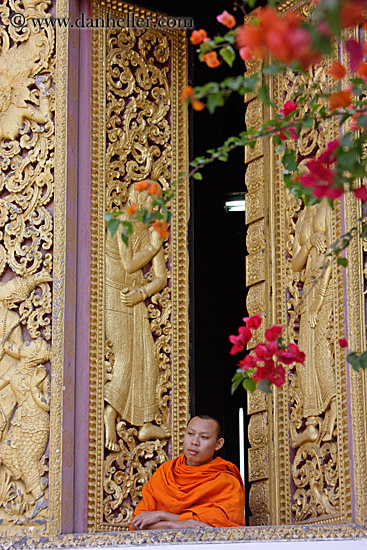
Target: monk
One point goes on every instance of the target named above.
(194, 490)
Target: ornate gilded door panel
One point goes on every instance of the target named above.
(300, 462)
(139, 317)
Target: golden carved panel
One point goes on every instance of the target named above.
(258, 463)
(256, 402)
(254, 205)
(255, 300)
(255, 268)
(254, 178)
(255, 238)
(139, 394)
(257, 429)
(29, 255)
(259, 499)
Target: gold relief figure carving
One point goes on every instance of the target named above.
(313, 390)
(316, 377)
(24, 442)
(131, 392)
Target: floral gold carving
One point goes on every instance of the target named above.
(255, 239)
(259, 498)
(257, 430)
(255, 268)
(254, 205)
(255, 299)
(256, 402)
(27, 154)
(254, 178)
(258, 463)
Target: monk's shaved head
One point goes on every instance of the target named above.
(219, 423)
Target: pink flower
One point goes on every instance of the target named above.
(343, 343)
(289, 107)
(226, 19)
(273, 333)
(292, 132)
(361, 193)
(266, 351)
(241, 340)
(246, 53)
(355, 52)
(253, 322)
(248, 362)
(291, 355)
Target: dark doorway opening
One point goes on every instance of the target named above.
(217, 240)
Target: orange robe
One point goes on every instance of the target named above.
(212, 493)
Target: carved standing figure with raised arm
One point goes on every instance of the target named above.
(131, 393)
(316, 376)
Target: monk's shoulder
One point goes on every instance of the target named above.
(226, 467)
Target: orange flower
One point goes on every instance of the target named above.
(197, 105)
(246, 53)
(337, 70)
(211, 59)
(362, 69)
(154, 189)
(340, 99)
(131, 209)
(197, 37)
(162, 228)
(142, 185)
(188, 92)
(226, 19)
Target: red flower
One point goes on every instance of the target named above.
(328, 156)
(253, 322)
(197, 37)
(241, 340)
(188, 92)
(291, 355)
(211, 59)
(289, 107)
(226, 19)
(154, 189)
(351, 13)
(266, 351)
(343, 343)
(197, 105)
(248, 362)
(292, 132)
(337, 70)
(142, 185)
(273, 333)
(361, 193)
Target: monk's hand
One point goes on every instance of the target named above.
(192, 524)
(146, 519)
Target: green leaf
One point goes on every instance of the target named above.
(228, 55)
(249, 385)
(363, 360)
(236, 381)
(346, 159)
(264, 385)
(251, 81)
(113, 226)
(263, 94)
(289, 160)
(197, 176)
(362, 121)
(342, 261)
(214, 101)
(347, 139)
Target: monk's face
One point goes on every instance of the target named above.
(201, 441)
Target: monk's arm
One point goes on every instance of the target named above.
(160, 519)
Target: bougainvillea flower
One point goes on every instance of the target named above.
(248, 362)
(277, 376)
(343, 343)
(337, 70)
(188, 92)
(352, 13)
(362, 70)
(154, 189)
(246, 53)
(340, 99)
(162, 228)
(289, 107)
(131, 209)
(226, 19)
(328, 191)
(266, 351)
(197, 105)
(253, 322)
(361, 193)
(293, 134)
(211, 59)
(142, 185)
(291, 355)
(328, 156)
(197, 37)
(273, 333)
(355, 52)
(240, 340)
